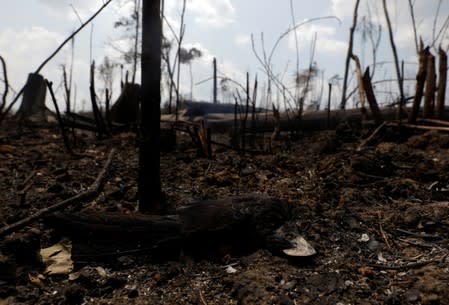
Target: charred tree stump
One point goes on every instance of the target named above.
(360, 81)
(329, 97)
(420, 81)
(377, 114)
(441, 93)
(101, 127)
(429, 96)
(126, 109)
(204, 136)
(60, 120)
(33, 103)
(277, 124)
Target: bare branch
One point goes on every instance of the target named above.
(292, 11)
(396, 59)
(181, 36)
(283, 35)
(76, 13)
(412, 15)
(5, 80)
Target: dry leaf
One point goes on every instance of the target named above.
(57, 258)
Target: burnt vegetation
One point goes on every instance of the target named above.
(261, 196)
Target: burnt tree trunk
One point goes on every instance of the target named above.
(371, 97)
(441, 94)
(429, 96)
(33, 103)
(215, 80)
(126, 109)
(101, 128)
(349, 53)
(420, 81)
(149, 181)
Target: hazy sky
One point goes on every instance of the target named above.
(31, 29)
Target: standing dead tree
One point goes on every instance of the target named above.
(67, 79)
(182, 30)
(349, 54)
(149, 180)
(136, 40)
(442, 83)
(101, 127)
(396, 60)
(429, 96)
(5, 80)
(420, 81)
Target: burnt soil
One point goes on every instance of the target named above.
(377, 216)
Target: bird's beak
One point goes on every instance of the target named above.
(301, 248)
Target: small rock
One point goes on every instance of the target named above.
(364, 238)
(231, 270)
(374, 245)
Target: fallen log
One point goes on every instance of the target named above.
(310, 121)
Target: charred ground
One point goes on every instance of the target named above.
(376, 214)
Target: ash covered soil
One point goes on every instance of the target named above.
(376, 214)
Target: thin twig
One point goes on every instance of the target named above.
(382, 232)
(420, 127)
(58, 115)
(202, 299)
(435, 20)
(407, 265)
(412, 15)
(367, 140)
(348, 54)
(178, 75)
(76, 13)
(396, 59)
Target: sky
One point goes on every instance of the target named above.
(31, 29)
